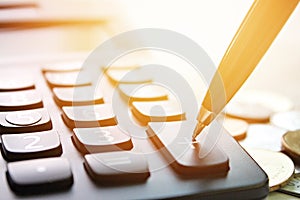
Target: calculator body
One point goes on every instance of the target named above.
(244, 179)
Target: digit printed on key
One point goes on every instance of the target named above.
(101, 139)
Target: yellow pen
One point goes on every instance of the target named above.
(259, 28)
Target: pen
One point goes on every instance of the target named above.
(259, 28)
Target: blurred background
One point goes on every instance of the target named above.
(42, 30)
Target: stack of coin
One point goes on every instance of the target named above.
(272, 135)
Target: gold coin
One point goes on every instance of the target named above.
(291, 143)
(279, 167)
(236, 127)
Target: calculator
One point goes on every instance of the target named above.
(57, 145)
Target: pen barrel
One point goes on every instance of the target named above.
(259, 28)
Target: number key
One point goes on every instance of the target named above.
(101, 139)
(39, 176)
(25, 121)
(174, 141)
(157, 111)
(30, 145)
(77, 96)
(63, 67)
(20, 100)
(14, 84)
(89, 116)
(67, 79)
(117, 167)
(144, 92)
(128, 76)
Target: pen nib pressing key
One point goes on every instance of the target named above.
(204, 118)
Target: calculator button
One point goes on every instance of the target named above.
(128, 76)
(176, 146)
(20, 100)
(120, 167)
(101, 139)
(23, 118)
(89, 116)
(157, 111)
(30, 145)
(78, 96)
(14, 84)
(23, 121)
(39, 175)
(67, 79)
(63, 67)
(143, 92)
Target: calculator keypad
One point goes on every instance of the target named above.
(121, 158)
(31, 145)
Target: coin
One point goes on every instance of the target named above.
(236, 127)
(291, 143)
(278, 166)
(257, 106)
(248, 111)
(287, 120)
(263, 136)
(293, 186)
